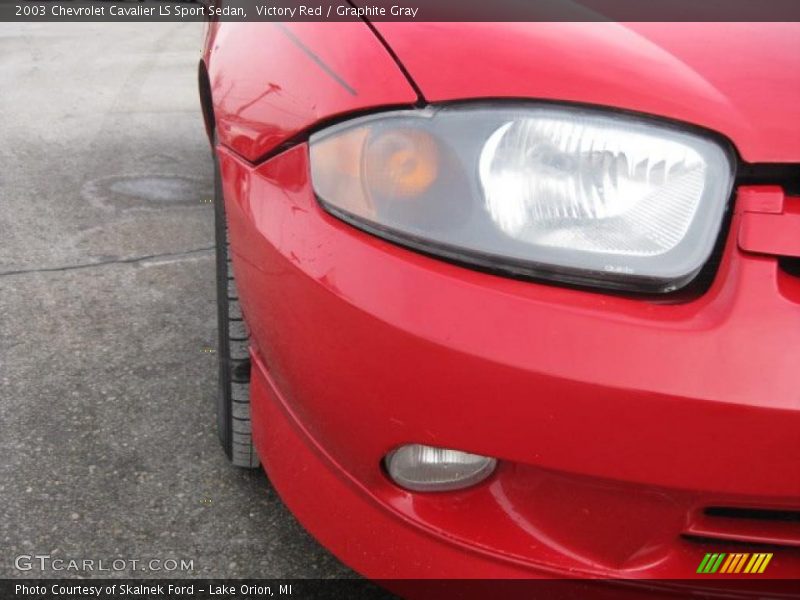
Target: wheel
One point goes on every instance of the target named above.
(233, 396)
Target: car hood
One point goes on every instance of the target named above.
(739, 79)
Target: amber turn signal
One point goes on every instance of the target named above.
(364, 168)
(401, 163)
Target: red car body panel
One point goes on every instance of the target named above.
(616, 420)
(271, 81)
(739, 79)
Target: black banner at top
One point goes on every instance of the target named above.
(398, 10)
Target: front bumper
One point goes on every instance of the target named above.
(617, 421)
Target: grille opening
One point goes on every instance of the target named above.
(785, 175)
(791, 265)
(760, 514)
(737, 525)
(741, 543)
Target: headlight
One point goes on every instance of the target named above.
(571, 194)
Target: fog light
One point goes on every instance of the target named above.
(428, 469)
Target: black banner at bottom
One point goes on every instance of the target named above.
(466, 589)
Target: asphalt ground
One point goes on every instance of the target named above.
(107, 314)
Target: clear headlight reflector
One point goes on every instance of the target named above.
(571, 194)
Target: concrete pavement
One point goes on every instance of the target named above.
(106, 308)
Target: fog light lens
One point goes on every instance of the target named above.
(428, 469)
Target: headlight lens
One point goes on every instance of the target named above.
(571, 194)
(430, 469)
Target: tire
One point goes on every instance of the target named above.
(233, 396)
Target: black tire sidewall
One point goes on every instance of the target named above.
(224, 416)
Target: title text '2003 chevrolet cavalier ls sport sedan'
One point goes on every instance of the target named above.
(514, 300)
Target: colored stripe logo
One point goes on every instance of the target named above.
(734, 563)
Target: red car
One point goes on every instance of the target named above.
(515, 300)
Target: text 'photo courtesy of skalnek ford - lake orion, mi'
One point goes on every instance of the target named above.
(400, 299)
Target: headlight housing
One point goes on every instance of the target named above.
(572, 194)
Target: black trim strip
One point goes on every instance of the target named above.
(786, 175)
(760, 514)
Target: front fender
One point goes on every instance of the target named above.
(271, 82)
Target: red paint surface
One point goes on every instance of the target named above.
(771, 225)
(616, 420)
(267, 87)
(739, 79)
